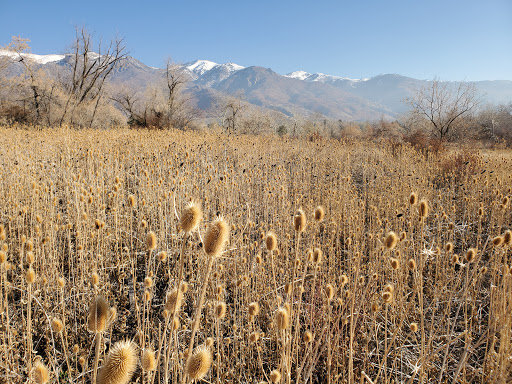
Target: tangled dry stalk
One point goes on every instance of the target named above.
(332, 262)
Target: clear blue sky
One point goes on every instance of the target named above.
(451, 39)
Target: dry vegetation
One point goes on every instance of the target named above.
(108, 275)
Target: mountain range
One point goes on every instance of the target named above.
(295, 94)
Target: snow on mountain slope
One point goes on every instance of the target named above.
(39, 59)
(301, 75)
(199, 67)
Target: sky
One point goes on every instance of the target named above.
(449, 39)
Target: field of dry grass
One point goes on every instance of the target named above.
(300, 262)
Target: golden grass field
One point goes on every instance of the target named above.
(402, 275)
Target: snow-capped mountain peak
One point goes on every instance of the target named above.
(39, 59)
(301, 75)
(199, 67)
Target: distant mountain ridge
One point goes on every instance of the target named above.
(296, 93)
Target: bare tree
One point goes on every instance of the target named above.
(232, 112)
(444, 104)
(89, 72)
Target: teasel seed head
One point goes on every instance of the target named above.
(387, 297)
(120, 364)
(317, 255)
(220, 310)
(449, 247)
(191, 217)
(471, 255)
(413, 327)
(275, 376)
(391, 240)
(148, 360)
(271, 241)
(299, 221)
(216, 237)
(307, 337)
(57, 325)
(40, 373)
(162, 256)
(411, 264)
(395, 263)
(173, 300)
(151, 241)
(413, 198)
(131, 201)
(30, 276)
(98, 315)
(319, 213)
(497, 241)
(95, 279)
(423, 209)
(254, 309)
(282, 318)
(329, 292)
(199, 363)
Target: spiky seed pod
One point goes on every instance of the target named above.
(319, 213)
(176, 324)
(216, 237)
(148, 360)
(391, 240)
(423, 209)
(254, 337)
(148, 282)
(131, 201)
(209, 342)
(173, 300)
(184, 287)
(199, 363)
(98, 315)
(299, 221)
(30, 257)
(307, 337)
(389, 288)
(220, 310)
(120, 364)
(275, 376)
(507, 237)
(95, 279)
(317, 255)
(162, 256)
(282, 318)
(254, 309)
(151, 240)
(191, 217)
(57, 325)
(3, 257)
(413, 198)
(395, 263)
(455, 259)
(40, 373)
(271, 241)
(411, 264)
(470, 255)
(329, 292)
(387, 297)
(75, 349)
(413, 327)
(448, 247)
(498, 240)
(375, 307)
(29, 246)
(30, 276)
(61, 282)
